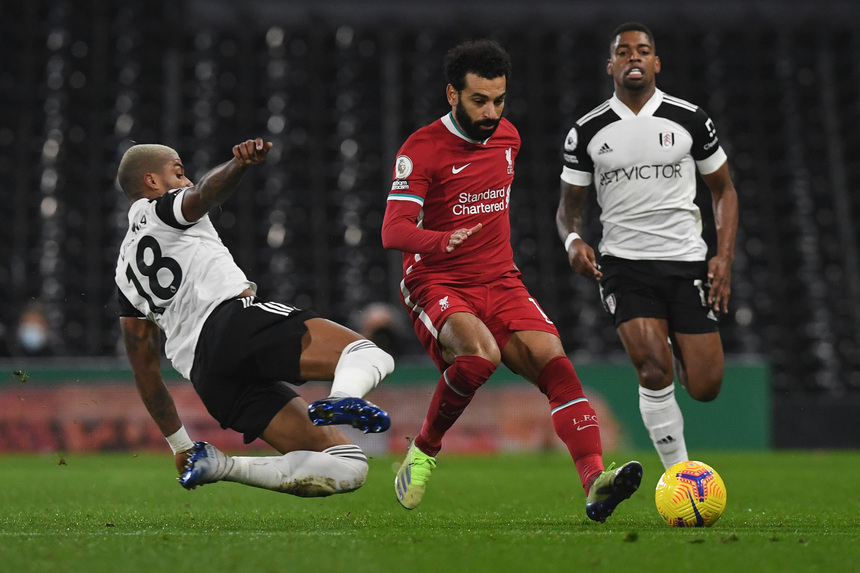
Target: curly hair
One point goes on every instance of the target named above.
(631, 27)
(484, 58)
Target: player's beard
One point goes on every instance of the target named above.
(473, 128)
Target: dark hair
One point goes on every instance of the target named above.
(631, 27)
(484, 58)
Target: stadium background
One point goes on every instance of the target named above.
(339, 85)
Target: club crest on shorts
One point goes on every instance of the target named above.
(609, 303)
(443, 303)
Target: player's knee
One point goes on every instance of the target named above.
(489, 352)
(381, 359)
(364, 353)
(706, 391)
(468, 373)
(653, 376)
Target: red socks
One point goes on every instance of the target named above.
(573, 418)
(453, 393)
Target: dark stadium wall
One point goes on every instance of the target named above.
(338, 85)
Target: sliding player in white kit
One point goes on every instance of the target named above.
(174, 274)
(641, 149)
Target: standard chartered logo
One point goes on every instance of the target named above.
(639, 172)
(489, 201)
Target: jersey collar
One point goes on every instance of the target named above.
(647, 110)
(448, 121)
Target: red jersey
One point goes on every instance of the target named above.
(444, 181)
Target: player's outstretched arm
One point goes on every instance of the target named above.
(725, 201)
(218, 184)
(143, 345)
(568, 220)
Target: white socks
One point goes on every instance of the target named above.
(361, 367)
(338, 469)
(665, 423)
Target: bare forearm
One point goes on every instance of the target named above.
(726, 222)
(566, 222)
(159, 404)
(143, 345)
(725, 203)
(219, 183)
(568, 217)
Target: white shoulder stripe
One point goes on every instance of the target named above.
(679, 102)
(594, 113)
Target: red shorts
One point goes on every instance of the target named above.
(505, 307)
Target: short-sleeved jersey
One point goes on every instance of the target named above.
(459, 183)
(174, 272)
(643, 167)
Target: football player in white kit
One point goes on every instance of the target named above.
(175, 275)
(640, 150)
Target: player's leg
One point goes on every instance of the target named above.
(471, 351)
(531, 347)
(315, 461)
(539, 357)
(473, 356)
(697, 347)
(647, 343)
(699, 364)
(247, 349)
(354, 364)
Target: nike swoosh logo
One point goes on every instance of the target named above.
(455, 170)
(581, 428)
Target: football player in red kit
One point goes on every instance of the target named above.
(447, 212)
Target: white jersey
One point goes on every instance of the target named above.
(644, 171)
(175, 272)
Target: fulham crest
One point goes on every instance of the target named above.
(667, 140)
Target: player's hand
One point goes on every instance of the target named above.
(459, 236)
(251, 151)
(720, 277)
(581, 258)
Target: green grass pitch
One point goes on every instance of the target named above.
(787, 511)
